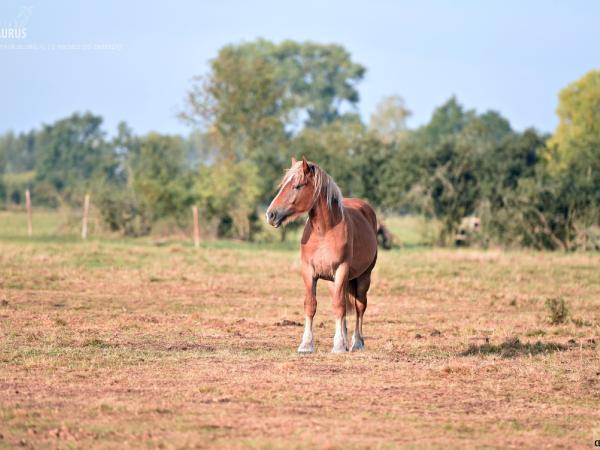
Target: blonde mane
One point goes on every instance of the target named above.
(322, 181)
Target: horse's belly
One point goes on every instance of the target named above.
(360, 266)
(364, 249)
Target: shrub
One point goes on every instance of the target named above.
(121, 212)
(227, 192)
(558, 310)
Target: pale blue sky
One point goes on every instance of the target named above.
(510, 56)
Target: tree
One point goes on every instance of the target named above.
(72, 152)
(18, 151)
(152, 180)
(115, 195)
(389, 119)
(320, 80)
(2, 169)
(574, 149)
(334, 147)
(516, 193)
(161, 182)
(573, 165)
(228, 191)
(240, 104)
(199, 149)
(448, 119)
(371, 163)
(255, 93)
(577, 136)
(440, 165)
(453, 165)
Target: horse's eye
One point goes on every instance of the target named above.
(298, 187)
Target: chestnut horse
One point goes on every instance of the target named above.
(339, 244)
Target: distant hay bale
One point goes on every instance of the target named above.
(469, 228)
(385, 239)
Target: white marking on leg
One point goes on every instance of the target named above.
(358, 342)
(340, 340)
(307, 345)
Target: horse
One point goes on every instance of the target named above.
(339, 245)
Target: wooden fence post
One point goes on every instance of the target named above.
(86, 209)
(196, 227)
(28, 206)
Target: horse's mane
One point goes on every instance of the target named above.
(323, 182)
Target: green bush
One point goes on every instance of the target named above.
(227, 193)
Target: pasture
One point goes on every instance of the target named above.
(114, 342)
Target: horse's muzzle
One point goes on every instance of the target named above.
(275, 217)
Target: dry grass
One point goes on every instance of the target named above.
(123, 344)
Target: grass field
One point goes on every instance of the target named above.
(122, 343)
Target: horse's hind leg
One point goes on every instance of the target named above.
(358, 293)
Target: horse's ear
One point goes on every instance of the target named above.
(305, 166)
(293, 161)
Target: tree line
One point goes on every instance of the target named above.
(263, 102)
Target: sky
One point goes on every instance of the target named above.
(135, 60)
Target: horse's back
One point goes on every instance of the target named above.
(358, 206)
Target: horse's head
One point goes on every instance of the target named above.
(296, 194)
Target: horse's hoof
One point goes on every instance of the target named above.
(357, 346)
(306, 348)
(339, 350)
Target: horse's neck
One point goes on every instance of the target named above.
(322, 217)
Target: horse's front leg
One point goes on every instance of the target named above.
(310, 308)
(340, 291)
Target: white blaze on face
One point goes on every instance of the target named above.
(280, 192)
(289, 178)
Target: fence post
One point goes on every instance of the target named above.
(196, 227)
(86, 208)
(28, 206)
